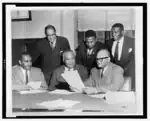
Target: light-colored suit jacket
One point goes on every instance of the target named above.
(112, 79)
(35, 75)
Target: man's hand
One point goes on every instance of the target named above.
(74, 89)
(89, 90)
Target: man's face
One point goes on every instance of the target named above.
(102, 58)
(26, 62)
(69, 60)
(90, 42)
(117, 33)
(51, 35)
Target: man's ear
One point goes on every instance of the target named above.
(19, 62)
(122, 32)
(109, 59)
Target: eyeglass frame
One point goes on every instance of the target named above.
(98, 59)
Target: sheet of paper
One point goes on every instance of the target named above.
(59, 103)
(73, 79)
(97, 96)
(35, 85)
(31, 92)
(120, 97)
(59, 91)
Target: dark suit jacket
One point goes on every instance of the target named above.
(50, 59)
(112, 79)
(82, 57)
(57, 81)
(127, 61)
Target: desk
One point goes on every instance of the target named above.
(86, 102)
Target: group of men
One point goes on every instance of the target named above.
(102, 67)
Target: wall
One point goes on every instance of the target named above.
(101, 19)
(35, 27)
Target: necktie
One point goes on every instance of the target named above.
(116, 51)
(101, 72)
(27, 79)
(52, 45)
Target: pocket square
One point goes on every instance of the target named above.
(61, 51)
(130, 49)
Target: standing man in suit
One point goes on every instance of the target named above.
(106, 76)
(50, 50)
(122, 50)
(86, 53)
(57, 81)
(24, 73)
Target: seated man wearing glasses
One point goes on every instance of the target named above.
(106, 76)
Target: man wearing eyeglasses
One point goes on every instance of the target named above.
(50, 50)
(106, 76)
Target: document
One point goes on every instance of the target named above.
(31, 91)
(59, 91)
(120, 97)
(102, 95)
(35, 85)
(73, 79)
(59, 103)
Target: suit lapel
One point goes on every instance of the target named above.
(124, 49)
(21, 75)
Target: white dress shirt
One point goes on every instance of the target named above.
(67, 69)
(120, 46)
(89, 51)
(53, 44)
(24, 74)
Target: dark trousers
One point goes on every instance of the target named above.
(48, 76)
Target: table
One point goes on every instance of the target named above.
(86, 103)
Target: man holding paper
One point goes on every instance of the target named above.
(70, 75)
(106, 76)
(26, 77)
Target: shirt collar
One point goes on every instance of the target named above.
(121, 40)
(67, 69)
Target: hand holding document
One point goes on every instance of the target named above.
(35, 85)
(59, 103)
(74, 80)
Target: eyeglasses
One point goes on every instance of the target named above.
(98, 59)
(51, 35)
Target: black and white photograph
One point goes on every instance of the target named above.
(82, 60)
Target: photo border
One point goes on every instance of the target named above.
(144, 5)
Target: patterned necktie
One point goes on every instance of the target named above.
(101, 72)
(116, 51)
(27, 79)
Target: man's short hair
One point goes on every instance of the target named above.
(90, 33)
(50, 27)
(24, 53)
(67, 51)
(118, 25)
(105, 48)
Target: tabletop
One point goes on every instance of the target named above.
(87, 103)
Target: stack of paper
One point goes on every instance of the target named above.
(73, 79)
(59, 91)
(35, 85)
(120, 97)
(59, 103)
(31, 91)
